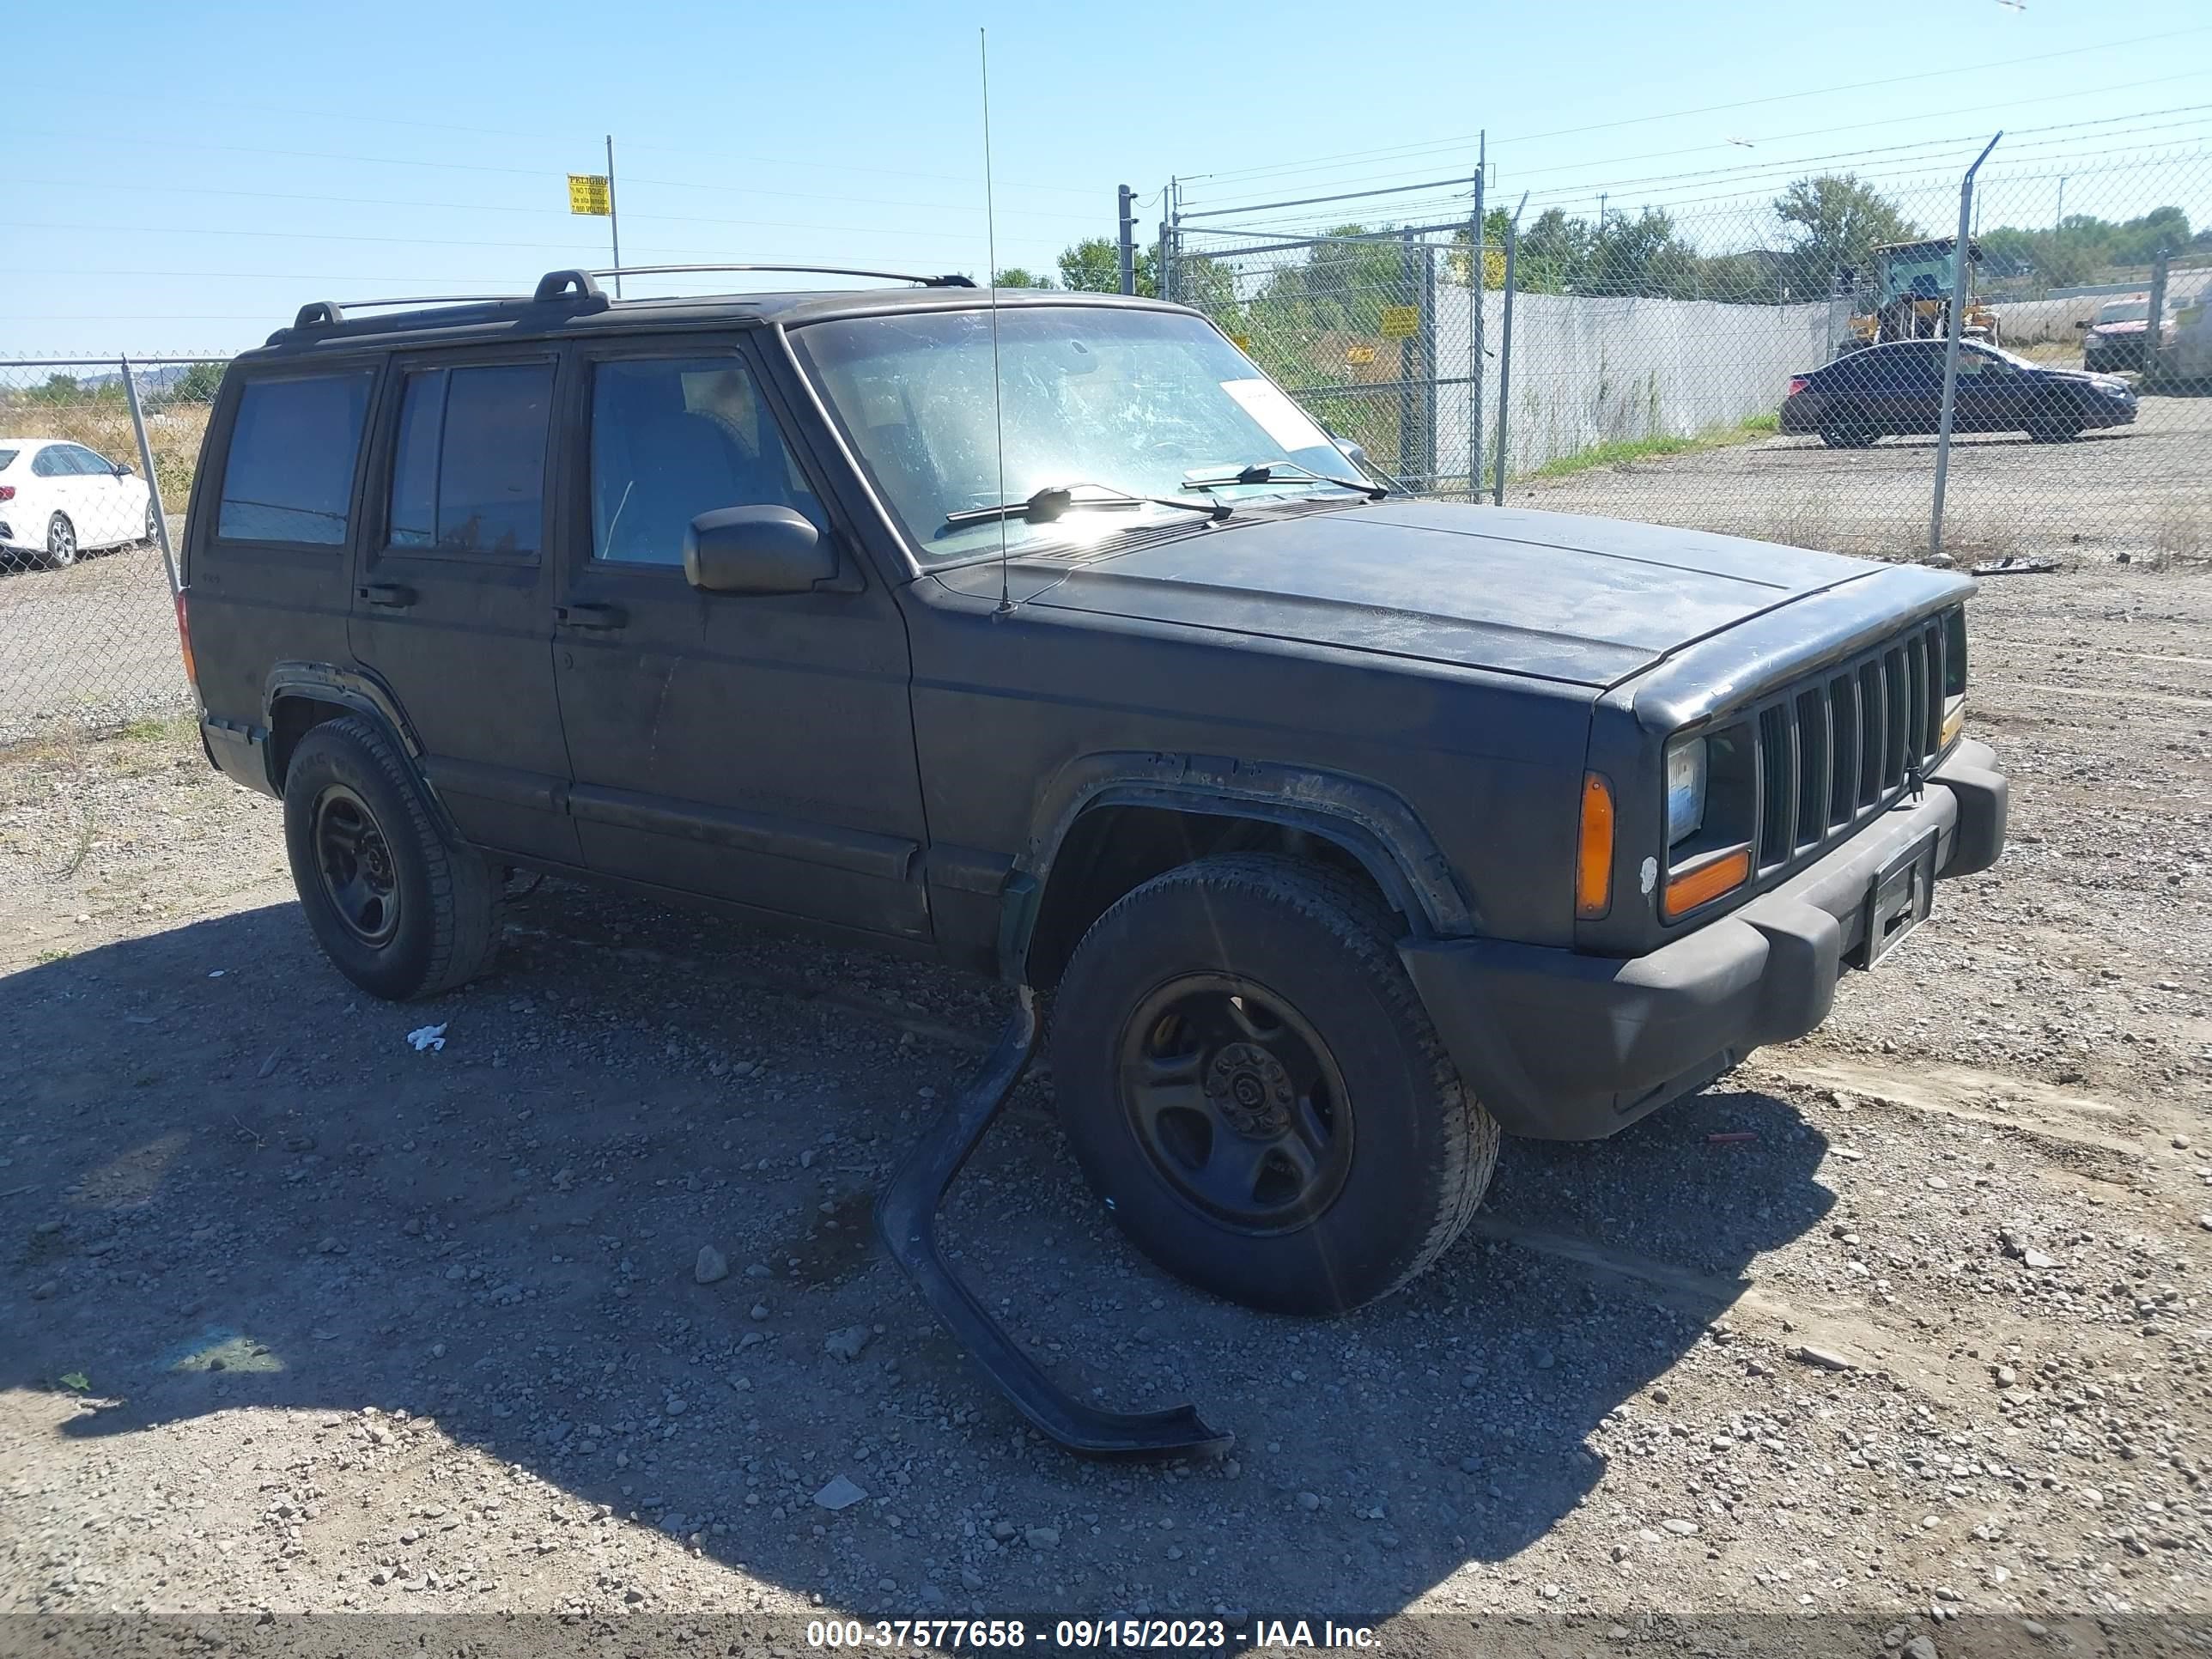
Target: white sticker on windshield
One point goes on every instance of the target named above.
(1278, 417)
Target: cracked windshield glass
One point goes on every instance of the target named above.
(1107, 403)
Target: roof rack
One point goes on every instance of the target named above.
(582, 288)
(950, 280)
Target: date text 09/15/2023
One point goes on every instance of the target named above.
(955, 1635)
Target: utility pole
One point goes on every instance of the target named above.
(1129, 250)
(2058, 219)
(614, 224)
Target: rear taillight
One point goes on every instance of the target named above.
(1797, 384)
(184, 640)
(7, 492)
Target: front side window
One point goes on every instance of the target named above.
(675, 437)
(1127, 402)
(468, 474)
(290, 474)
(89, 463)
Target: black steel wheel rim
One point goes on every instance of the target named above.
(355, 863)
(1236, 1101)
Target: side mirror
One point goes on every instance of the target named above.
(123, 470)
(756, 550)
(1356, 453)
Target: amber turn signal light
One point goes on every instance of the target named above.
(1594, 852)
(1707, 882)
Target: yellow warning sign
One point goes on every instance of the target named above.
(1400, 322)
(1358, 356)
(588, 193)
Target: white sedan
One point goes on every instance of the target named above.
(58, 499)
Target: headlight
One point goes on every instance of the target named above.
(1686, 790)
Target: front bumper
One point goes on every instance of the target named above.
(1564, 1047)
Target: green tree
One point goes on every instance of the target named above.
(1093, 265)
(1837, 220)
(1016, 277)
(197, 385)
(58, 389)
(1553, 252)
(1644, 256)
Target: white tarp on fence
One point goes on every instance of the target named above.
(1589, 371)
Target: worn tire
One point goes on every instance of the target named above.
(2053, 429)
(1421, 1148)
(448, 927)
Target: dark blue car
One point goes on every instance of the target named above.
(1898, 388)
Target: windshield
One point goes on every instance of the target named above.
(2125, 311)
(1143, 403)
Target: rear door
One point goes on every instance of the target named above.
(106, 498)
(453, 604)
(1910, 397)
(267, 547)
(755, 748)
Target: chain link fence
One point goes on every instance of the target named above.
(1769, 365)
(88, 626)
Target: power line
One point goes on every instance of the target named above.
(1975, 67)
(546, 173)
(1601, 164)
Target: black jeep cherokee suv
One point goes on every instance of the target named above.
(1346, 829)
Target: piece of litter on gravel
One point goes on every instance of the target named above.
(1731, 1137)
(215, 973)
(427, 1036)
(2009, 566)
(840, 1494)
(1826, 1358)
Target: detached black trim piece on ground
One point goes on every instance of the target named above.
(906, 1217)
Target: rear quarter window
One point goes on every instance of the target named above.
(7, 459)
(288, 476)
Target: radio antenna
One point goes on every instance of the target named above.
(991, 279)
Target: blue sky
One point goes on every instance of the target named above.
(209, 168)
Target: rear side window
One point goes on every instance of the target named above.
(51, 462)
(468, 475)
(289, 475)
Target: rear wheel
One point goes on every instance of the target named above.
(402, 911)
(1848, 428)
(1251, 1083)
(61, 542)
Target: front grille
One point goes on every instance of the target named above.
(1833, 749)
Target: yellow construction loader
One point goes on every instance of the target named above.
(1908, 297)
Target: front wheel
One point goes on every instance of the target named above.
(2053, 429)
(152, 527)
(1251, 1083)
(400, 911)
(61, 542)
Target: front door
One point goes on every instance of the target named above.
(453, 601)
(1991, 395)
(755, 748)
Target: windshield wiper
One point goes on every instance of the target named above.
(1265, 473)
(1053, 500)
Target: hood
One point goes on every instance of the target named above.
(2138, 326)
(1553, 595)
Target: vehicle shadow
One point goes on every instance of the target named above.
(266, 1197)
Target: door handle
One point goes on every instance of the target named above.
(602, 616)
(387, 596)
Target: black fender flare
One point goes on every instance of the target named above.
(1370, 822)
(358, 693)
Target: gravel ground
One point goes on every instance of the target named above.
(2139, 490)
(94, 644)
(303, 1319)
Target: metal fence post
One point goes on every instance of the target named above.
(1477, 272)
(2156, 311)
(1128, 238)
(1505, 352)
(1960, 259)
(153, 482)
(1409, 352)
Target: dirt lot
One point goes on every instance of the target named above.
(93, 644)
(303, 1319)
(2138, 490)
